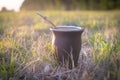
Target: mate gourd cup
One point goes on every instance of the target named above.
(66, 44)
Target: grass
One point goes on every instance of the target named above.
(25, 46)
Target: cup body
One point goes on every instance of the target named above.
(66, 43)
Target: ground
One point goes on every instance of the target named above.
(26, 53)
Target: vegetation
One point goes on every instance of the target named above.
(71, 4)
(25, 46)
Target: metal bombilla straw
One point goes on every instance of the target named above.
(46, 19)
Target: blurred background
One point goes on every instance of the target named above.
(17, 5)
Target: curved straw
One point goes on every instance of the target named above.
(46, 19)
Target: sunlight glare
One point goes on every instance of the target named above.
(11, 4)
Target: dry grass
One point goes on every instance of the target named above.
(26, 54)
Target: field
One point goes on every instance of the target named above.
(26, 53)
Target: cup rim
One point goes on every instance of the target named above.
(77, 28)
